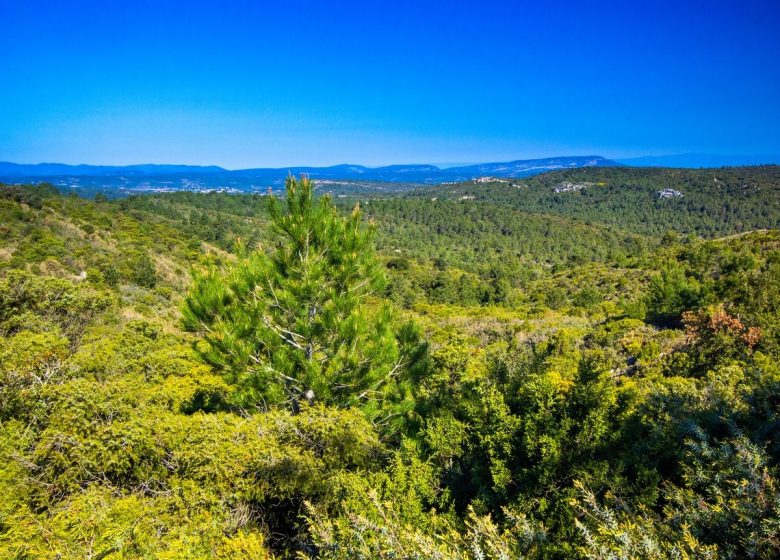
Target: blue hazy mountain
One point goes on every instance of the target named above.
(700, 160)
(391, 173)
(339, 179)
(422, 173)
(8, 169)
(525, 168)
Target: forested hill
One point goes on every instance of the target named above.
(226, 377)
(705, 202)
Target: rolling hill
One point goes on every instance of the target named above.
(705, 202)
(124, 180)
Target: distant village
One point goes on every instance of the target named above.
(570, 187)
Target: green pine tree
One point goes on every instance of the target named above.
(298, 322)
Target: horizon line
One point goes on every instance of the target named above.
(440, 165)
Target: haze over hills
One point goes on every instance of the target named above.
(116, 180)
(8, 169)
(416, 172)
(124, 180)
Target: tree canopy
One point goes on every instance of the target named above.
(296, 322)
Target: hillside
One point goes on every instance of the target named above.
(117, 181)
(704, 202)
(537, 386)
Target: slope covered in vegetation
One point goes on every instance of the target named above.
(704, 202)
(193, 376)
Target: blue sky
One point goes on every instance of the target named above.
(256, 83)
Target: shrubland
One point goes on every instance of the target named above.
(208, 376)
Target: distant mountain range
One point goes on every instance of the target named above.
(8, 169)
(392, 173)
(339, 179)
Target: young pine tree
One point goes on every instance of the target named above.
(294, 323)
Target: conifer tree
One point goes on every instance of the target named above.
(295, 323)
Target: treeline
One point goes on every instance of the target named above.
(435, 251)
(470, 235)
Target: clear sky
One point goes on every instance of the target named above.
(255, 83)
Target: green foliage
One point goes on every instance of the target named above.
(144, 273)
(28, 195)
(295, 324)
(728, 495)
(379, 532)
(614, 531)
(671, 294)
(589, 393)
(394, 514)
(34, 303)
(28, 362)
(715, 202)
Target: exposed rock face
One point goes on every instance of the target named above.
(669, 193)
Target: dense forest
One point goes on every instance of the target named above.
(481, 370)
(705, 202)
